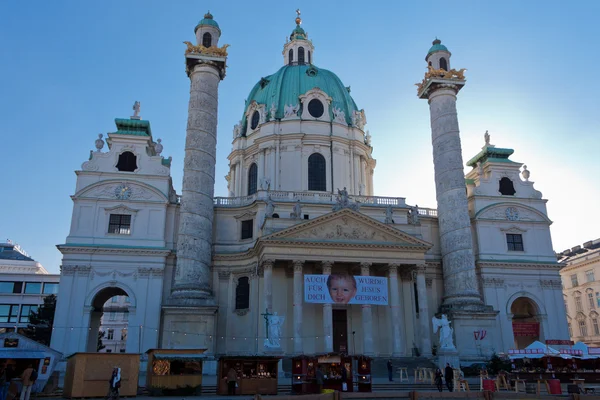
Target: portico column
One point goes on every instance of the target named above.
(423, 312)
(396, 318)
(367, 316)
(268, 278)
(327, 314)
(298, 265)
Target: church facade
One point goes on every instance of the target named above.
(212, 272)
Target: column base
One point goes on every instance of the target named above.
(465, 323)
(188, 297)
(189, 328)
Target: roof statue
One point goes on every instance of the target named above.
(486, 136)
(136, 110)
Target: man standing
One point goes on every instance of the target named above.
(449, 373)
(390, 368)
(27, 382)
(231, 381)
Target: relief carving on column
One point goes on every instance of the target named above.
(298, 265)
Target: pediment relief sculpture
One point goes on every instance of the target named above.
(116, 190)
(512, 212)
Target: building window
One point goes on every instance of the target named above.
(112, 316)
(566, 307)
(578, 305)
(127, 162)
(300, 55)
(506, 187)
(247, 229)
(570, 330)
(315, 108)
(582, 328)
(595, 325)
(206, 40)
(309, 60)
(9, 312)
(50, 288)
(255, 120)
(291, 56)
(123, 334)
(242, 294)
(25, 311)
(122, 351)
(589, 275)
(574, 282)
(119, 224)
(109, 350)
(316, 172)
(11, 287)
(591, 300)
(33, 287)
(443, 64)
(127, 301)
(114, 299)
(110, 335)
(252, 179)
(514, 242)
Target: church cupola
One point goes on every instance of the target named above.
(207, 31)
(298, 50)
(438, 56)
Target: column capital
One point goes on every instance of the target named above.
(267, 264)
(393, 268)
(327, 267)
(298, 265)
(365, 268)
(420, 269)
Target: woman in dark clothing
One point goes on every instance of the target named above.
(344, 378)
(439, 379)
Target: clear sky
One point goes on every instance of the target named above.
(70, 67)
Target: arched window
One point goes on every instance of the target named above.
(275, 215)
(206, 40)
(309, 60)
(316, 172)
(443, 64)
(242, 294)
(506, 187)
(252, 179)
(300, 55)
(127, 162)
(291, 56)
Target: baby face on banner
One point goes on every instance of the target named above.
(342, 288)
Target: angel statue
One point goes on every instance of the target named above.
(275, 322)
(446, 331)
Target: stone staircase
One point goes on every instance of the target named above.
(379, 366)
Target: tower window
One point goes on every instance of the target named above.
(506, 187)
(252, 179)
(119, 224)
(300, 55)
(514, 242)
(443, 64)
(127, 162)
(255, 120)
(309, 60)
(291, 56)
(275, 215)
(316, 172)
(242, 294)
(206, 40)
(315, 108)
(247, 228)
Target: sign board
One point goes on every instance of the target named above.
(573, 352)
(560, 342)
(345, 289)
(526, 328)
(593, 350)
(329, 360)
(526, 351)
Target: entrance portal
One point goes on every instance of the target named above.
(526, 325)
(340, 331)
(108, 321)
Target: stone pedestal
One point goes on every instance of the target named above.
(445, 356)
(465, 323)
(189, 328)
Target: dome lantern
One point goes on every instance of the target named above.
(207, 31)
(438, 56)
(298, 50)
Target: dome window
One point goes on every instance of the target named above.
(206, 40)
(291, 56)
(315, 108)
(443, 64)
(252, 179)
(316, 172)
(255, 120)
(311, 71)
(300, 55)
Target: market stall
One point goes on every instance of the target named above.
(255, 375)
(175, 368)
(363, 375)
(304, 370)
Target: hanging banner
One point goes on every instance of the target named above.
(345, 289)
(526, 328)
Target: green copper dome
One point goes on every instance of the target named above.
(437, 46)
(286, 85)
(207, 20)
(298, 33)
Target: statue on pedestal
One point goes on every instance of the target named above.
(274, 323)
(297, 211)
(446, 331)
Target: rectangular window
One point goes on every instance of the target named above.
(247, 229)
(25, 311)
(111, 334)
(127, 300)
(582, 328)
(598, 299)
(108, 350)
(119, 224)
(591, 300)
(596, 328)
(114, 299)
(122, 351)
(570, 330)
(113, 315)
(578, 305)
(123, 334)
(589, 275)
(574, 282)
(11, 287)
(50, 288)
(514, 242)
(33, 287)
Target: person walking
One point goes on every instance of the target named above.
(390, 368)
(344, 379)
(449, 374)
(231, 381)
(439, 379)
(319, 377)
(27, 382)
(114, 384)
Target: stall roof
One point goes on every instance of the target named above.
(548, 352)
(179, 357)
(20, 353)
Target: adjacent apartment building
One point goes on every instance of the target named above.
(581, 291)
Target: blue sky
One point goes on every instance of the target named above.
(70, 67)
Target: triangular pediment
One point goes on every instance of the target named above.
(349, 227)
